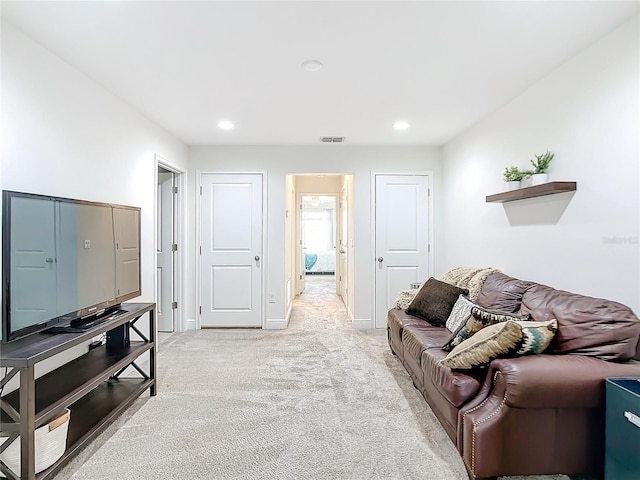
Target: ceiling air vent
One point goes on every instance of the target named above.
(332, 139)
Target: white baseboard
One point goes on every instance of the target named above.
(190, 324)
(276, 323)
(362, 323)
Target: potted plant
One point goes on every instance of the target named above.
(512, 176)
(540, 166)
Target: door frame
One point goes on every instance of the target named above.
(340, 282)
(180, 232)
(430, 236)
(198, 240)
(299, 195)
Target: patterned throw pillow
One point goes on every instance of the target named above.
(536, 336)
(504, 339)
(491, 342)
(434, 301)
(479, 319)
(495, 316)
(460, 313)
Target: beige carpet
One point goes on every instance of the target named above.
(318, 400)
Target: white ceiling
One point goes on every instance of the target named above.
(442, 66)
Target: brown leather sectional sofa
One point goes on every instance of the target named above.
(538, 414)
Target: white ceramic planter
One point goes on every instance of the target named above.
(512, 185)
(539, 178)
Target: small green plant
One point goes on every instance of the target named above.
(513, 174)
(541, 163)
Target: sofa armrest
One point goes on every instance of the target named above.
(557, 381)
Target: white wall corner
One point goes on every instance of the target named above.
(349, 314)
(362, 323)
(289, 310)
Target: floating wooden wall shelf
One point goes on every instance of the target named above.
(533, 191)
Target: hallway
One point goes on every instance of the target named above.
(319, 307)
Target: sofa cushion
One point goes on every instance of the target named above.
(587, 326)
(503, 293)
(489, 343)
(457, 387)
(397, 320)
(479, 319)
(460, 313)
(416, 338)
(434, 301)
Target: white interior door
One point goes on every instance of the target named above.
(302, 277)
(165, 253)
(401, 237)
(231, 250)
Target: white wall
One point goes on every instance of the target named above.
(64, 135)
(316, 184)
(323, 159)
(588, 113)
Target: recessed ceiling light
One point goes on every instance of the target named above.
(401, 125)
(311, 65)
(225, 124)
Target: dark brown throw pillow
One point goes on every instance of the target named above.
(434, 301)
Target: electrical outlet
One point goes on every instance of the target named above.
(87, 244)
(272, 298)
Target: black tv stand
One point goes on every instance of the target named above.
(97, 386)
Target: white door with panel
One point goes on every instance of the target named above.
(231, 250)
(401, 237)
(165, 253)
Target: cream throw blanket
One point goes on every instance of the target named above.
(463, 277)
(470, 278)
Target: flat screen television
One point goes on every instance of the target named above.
(65, 261)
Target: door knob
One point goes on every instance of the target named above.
(257, 258)
(380, 259)
(48, 260)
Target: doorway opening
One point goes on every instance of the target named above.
(169, 191)
(321, 224)
(318, 235)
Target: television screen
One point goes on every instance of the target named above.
(65, 259)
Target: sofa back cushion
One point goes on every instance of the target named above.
(588, 326)
(502, 292)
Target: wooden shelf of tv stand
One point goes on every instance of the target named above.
(81, 384)
(549, 188)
